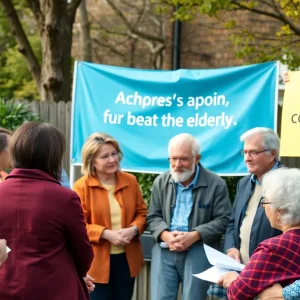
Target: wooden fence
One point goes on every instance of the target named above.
(59, 114)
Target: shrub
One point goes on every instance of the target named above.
(13, 114)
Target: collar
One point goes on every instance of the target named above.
(32, 174)
(121, 181)
(254, 179)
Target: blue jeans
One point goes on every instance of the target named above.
(169, 268)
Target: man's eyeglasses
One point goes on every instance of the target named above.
(253, 153)
(183, 160)
(263, 201)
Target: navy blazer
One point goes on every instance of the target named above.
(261, 228)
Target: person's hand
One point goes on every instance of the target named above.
(185, 240)
(89, 282)
(3, 251)
(227, 279)
(273, 292)
(286, 77)
(168, 236)
(115, 237)
(235, 254)
(128, 233)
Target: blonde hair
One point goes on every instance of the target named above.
(91, 147)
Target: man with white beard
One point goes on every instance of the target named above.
(189, 207)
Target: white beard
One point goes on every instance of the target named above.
(182, 176)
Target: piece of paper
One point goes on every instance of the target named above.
(222, 264)
(217, 258)
(7, 249)
(212, 274)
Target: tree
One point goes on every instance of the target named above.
(253, 43)
(129, 31)
(54, 20)
(85, 33)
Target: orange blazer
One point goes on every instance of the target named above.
(95, 205)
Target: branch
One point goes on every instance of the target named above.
(71, 10)
(281, 17)
(135, 33)
(24, 46)
(110, 47)
(34, 6)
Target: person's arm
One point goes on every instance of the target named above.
(76, 236)
(3, 251)
(94, 230)
(155, 220)
(230, 246)
(286, 77)
(213, 229)
(276, 292)
(273, 292)
(138, 224)
(256, 276)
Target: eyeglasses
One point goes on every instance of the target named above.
(263, 201)
(253, 153)
(183, 160)
(106, 157)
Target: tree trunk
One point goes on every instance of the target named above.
(85, 38)
(22, 41)
(56, 40)
(55, 20)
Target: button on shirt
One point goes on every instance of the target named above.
(183, 205)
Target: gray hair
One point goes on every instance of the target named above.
(184, 138)
(281, 187)
(269, 137)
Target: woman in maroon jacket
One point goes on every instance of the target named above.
(42, 222)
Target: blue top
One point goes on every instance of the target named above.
(183, 205)
(65, 179)
(292, 291)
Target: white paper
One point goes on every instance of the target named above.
(217, 258)
(212, 274)
(222, 264)
(7, 249)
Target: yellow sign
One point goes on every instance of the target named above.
(290, 121)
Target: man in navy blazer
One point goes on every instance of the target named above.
(248, 225)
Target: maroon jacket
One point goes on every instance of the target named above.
(44, 226)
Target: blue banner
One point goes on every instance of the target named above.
(143, 109)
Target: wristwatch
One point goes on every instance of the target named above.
(136, 231)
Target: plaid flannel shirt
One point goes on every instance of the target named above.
(276, 260)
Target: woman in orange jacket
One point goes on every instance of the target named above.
(115, 214)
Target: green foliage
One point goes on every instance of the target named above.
(13, 114)
(15, 79)
(251, 43)
(231, 182)
(145, 181)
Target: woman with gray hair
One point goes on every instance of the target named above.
(276, 260)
